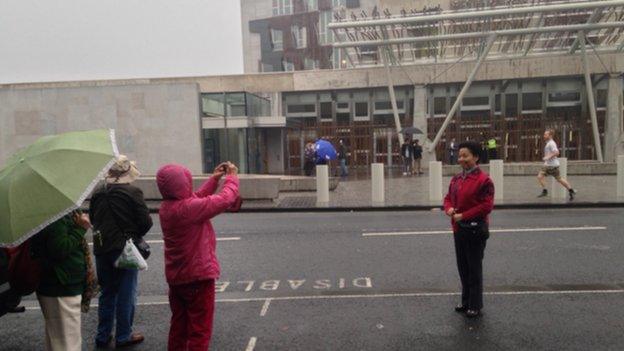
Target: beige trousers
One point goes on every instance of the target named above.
(62, 322)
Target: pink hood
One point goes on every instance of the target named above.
(190, 242)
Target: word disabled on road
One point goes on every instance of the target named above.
(293, 284)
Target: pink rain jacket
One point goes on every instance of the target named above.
(190, 243)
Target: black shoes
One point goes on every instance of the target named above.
(473, 313)
(544, 193)
(572, 192)
(469, 313)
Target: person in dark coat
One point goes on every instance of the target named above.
(118, 212)
(469, 202)
(343, 151)
(418, 151)
(309, 158)
(407, 153)
(60, 248)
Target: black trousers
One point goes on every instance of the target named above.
(469, 248)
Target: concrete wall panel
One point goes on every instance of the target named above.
(155, 123)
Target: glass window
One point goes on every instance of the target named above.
(277, 39)
(564, 96)
(213, 105)
(326, 110)
(511, 105)
(476, 101)
(497, 103)
(531, 101)
(601, 98)
(336, 3)
(288, 66)
(235, 104)
(258, 106)
(299, 37)
(325, 19)
(312, 5)
(302, 108)
(310, 63)
(361, 109)
(282, 7)
(439, 105)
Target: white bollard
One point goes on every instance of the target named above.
(435, 181)
(497, 175)
(620, 176)
(557, 190)
(322, 186)
(378, 184)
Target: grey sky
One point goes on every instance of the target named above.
(110, 39)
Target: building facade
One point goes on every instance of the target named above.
(261, 120)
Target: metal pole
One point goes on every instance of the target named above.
(476, 35)
(478, 14)
(463, 91)
(590, 99)
(395, 110)
(595, 16)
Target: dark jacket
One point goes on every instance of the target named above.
(418, 150)
(117, 211)
(472, 195)
(342, 152)
(407, 148)
(60, 251)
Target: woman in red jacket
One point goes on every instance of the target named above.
(469, 202)
(191, 265)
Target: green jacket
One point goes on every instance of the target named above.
(59, 247)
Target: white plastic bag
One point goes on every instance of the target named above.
(131, 258)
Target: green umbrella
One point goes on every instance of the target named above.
(50, 178)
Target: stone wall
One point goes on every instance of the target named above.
(155, 123)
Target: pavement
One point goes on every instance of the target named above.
(388, 281)
(413, 191)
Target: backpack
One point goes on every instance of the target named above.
(24, 269)
(9, 298)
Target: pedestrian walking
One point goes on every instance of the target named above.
(343, 151)
(309, 158)
(407, 154)
(119, 213)
(418, 150)
(62, 252)
(551, 166)
(191, 265)
(452, 152)
(484, 158)
(469, 201)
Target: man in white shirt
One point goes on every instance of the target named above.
(551, 166)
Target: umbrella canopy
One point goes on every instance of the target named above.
(50, 178)
(411, 130)
(325, 150)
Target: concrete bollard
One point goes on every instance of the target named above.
(497, 171)
(435, 181)
(557, 190)
(620, 176)
(322, 186)
(378, 184)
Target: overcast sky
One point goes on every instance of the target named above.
(50, 40)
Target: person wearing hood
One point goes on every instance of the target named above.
(191, 265)
(118, 212)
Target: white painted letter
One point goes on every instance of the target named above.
(250, 284)
(295, 284)
(221, 286)
(341, 283)
(270, 285)
(322, 284)
(363, 283)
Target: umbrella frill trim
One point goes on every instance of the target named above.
(77, 204)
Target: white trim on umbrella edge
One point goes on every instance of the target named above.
(77, 204)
